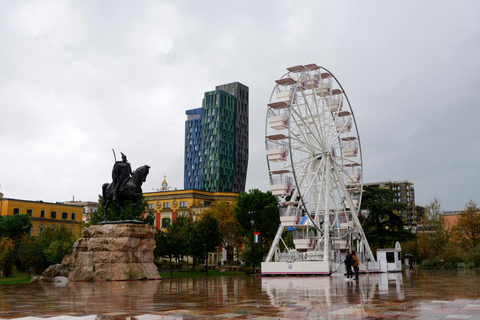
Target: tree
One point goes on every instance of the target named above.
(467, 229)
(15, 226)
(224, 212)
(166, 246)
(262, 209)
(434, 236)
(419, 214)
(115, 214)
(181, 227)
(28, 253)
(56, 243)
(170, 243)
(50, 247)
(148, 217)
(383, 226)
(187, 230)
(7, 255)
(207, 237)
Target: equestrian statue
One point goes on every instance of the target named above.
(126, 185)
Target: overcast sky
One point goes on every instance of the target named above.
(78, 78)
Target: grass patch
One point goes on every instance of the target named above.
(15, 279)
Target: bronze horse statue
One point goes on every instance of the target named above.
(131, 191)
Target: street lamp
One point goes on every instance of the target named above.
(252, 222)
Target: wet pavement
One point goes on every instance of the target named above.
(422, 295)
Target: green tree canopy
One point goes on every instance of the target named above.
(56, 243)
(383, 226)
(168, 245)
(15, 226)
(207, 236)
(186, 226)
(28, 254)
(262, 208)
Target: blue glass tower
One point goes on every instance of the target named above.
(193, 149)
(216, 141)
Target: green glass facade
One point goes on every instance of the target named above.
(218, 127)
(240, 92)
(216, 141)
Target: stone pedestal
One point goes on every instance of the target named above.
(111, 252)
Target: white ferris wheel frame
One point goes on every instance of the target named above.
(318, 161)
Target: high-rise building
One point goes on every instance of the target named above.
(193, 150)
(216, 141)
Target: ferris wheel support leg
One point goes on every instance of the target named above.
(275, 242)
(326, 223)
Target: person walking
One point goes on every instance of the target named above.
(410, 263)
(355, 264)
(348, 266)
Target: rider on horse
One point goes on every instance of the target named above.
(121, 172)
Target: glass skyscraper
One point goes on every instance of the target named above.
(216, 141)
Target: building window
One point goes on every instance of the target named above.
(41, 227)
(30, 212)
(16, 210)
(42, 215)
(64, 215)
(53, 214)
(73, 215)
(166, 205)
(165, 222)
(183, 204)
(151, 206)
(53, 227)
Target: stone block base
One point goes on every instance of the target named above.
(110, 252)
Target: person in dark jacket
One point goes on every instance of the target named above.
(348, 265)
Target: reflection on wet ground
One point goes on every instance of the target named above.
(422, 295)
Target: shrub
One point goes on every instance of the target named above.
(451, 263)
(433, 264)
(472, 255)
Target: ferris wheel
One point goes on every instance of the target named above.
(315, 165)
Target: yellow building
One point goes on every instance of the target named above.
(44, 214)
(168, 205)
